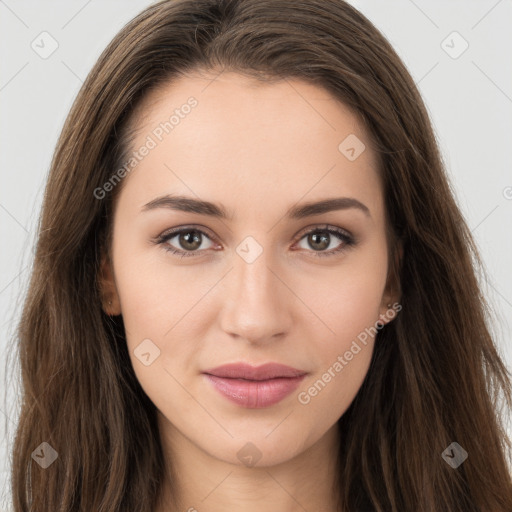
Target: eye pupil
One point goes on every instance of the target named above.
(322, 239)
(190, 242)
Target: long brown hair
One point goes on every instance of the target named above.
(436, 376)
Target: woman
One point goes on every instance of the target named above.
(253, 288)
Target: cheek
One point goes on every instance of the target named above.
(349, 304)
(166, 312)
(141, 303)
(326, 396)
(154, 293)
(344, 355)
(348, 299)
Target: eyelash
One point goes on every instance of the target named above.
(348, 240)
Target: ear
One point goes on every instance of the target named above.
(390, 305)
(108, 291)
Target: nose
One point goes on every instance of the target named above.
(256, 301)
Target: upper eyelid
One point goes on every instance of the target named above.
(171, 233)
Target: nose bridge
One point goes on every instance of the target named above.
(255, 308)
(254, 278)
(252, 269)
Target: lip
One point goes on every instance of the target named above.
(248, 372)
(255, 387)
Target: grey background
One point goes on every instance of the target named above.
(469, 99)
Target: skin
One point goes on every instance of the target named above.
(257, 149)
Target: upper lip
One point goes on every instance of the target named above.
(248, 372)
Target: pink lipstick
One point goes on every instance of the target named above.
(255, 387)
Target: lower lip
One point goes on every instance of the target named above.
(255, 394)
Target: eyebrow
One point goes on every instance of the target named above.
(296, 212)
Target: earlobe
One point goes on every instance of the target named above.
(389, 314)
(108, 291)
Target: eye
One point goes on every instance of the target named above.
(321, 238)
(188, 241)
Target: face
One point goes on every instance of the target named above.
(261, 276)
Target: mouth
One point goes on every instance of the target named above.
(255, 387)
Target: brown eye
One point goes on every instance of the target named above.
(320, 239)
(188, 241)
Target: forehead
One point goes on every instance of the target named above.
(233, 99)
(244, 140)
